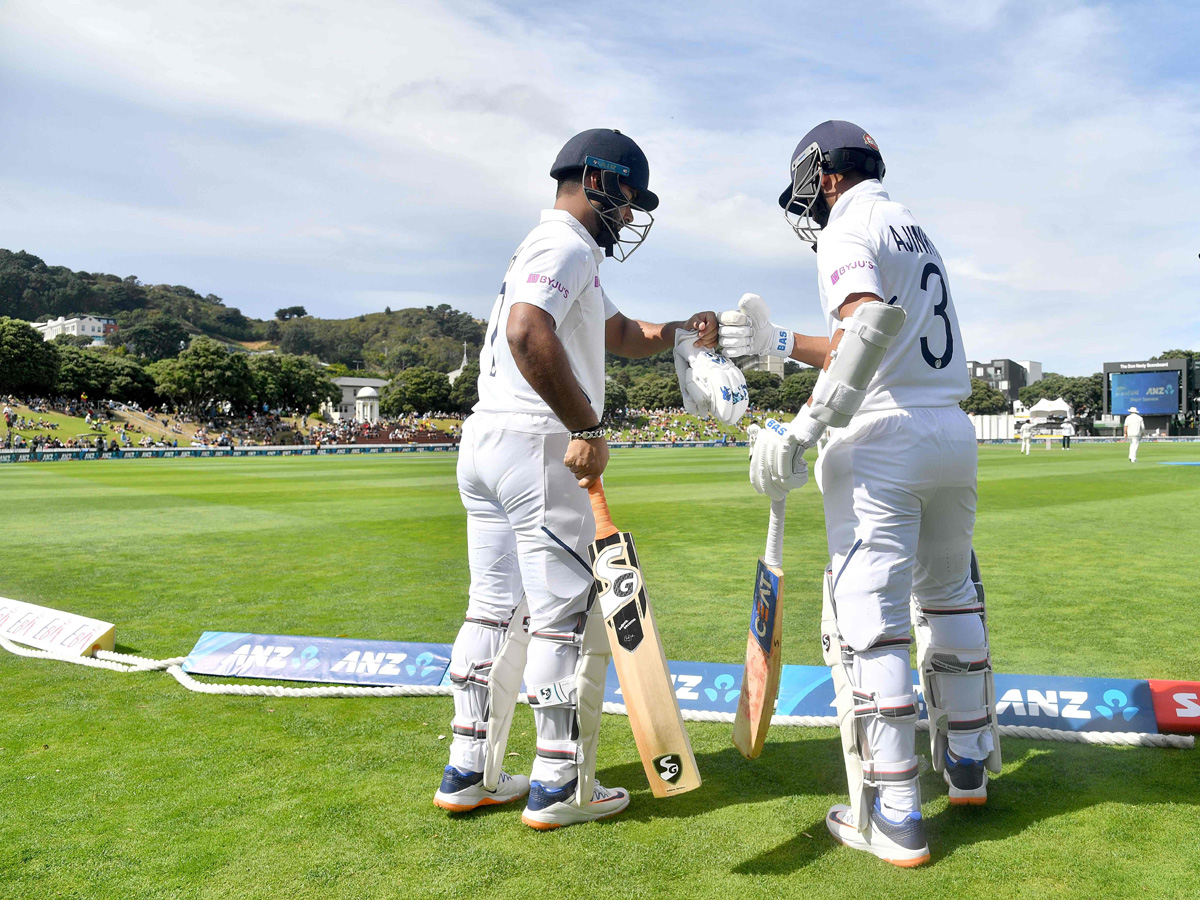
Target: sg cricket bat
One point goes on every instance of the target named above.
(641, 664)
(764, 657)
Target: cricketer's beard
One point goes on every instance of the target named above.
(605, 230)
(818, 210)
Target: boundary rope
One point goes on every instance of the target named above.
(123, 662)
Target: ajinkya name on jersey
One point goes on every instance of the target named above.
(917, 240)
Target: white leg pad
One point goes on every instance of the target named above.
(581, 696)
(856, 708)
(589, 680)
(504, 685)
(957, 683)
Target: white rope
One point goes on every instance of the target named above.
(272, 690)
(1028, 732)
(123, 662)
(103, 659)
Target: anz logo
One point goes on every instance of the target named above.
(690, 688)
(1065, 704)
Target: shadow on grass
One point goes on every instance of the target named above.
(806, 766)
(1041, 780)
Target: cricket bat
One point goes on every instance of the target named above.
(764, 656)
(641, 664)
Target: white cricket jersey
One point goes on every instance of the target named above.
(874, 245)
(1134, 425)
(556, 268)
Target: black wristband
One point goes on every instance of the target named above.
(588, 434)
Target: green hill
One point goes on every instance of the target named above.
(387, 341)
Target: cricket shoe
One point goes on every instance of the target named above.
(900, 843)
(555, 807)
(967, 779)
(462, 791)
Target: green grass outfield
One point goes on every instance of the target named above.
(127, 786)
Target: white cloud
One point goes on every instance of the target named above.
(402, 149)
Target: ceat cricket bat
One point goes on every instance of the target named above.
(649, 694)
(764, 657)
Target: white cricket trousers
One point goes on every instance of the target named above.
(529, 525)
(1134, 443)
(900, 492)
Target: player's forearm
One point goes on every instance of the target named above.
(812, 350)
(640, 339)
(542, 361)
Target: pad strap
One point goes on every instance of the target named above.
(881, 644)
(944, 663)
(574, 636)
(560, 751)
(477, 673)
(902, 708)
(469, 729)
(876, 773)
(970, 721)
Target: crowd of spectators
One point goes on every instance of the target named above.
(411, 428)
(667, 425)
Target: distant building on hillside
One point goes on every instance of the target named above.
(1005, 375)
(768, 363)
(350, 408)
(453, 376)
(98, 328)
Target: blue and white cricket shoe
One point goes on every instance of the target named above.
(462, 791)
(901, 843)
(967, 779)
(555, 807)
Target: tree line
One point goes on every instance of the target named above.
(197, 379)
(158, 321)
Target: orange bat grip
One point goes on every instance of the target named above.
(604, 522)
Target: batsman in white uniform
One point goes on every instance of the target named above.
(899, 484)
(532, 446)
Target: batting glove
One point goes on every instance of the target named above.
(710, 384)
(776, 465)
(748, 331)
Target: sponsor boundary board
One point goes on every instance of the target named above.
(58, 632)
(1057, 702)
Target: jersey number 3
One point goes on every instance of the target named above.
(938, 362)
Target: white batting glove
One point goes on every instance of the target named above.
(748, 331)
(710, 384)
(776, 465)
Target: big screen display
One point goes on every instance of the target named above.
(1153, 393)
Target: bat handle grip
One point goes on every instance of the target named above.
(604, 522)
(773, 555)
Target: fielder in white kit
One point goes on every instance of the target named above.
(532, 445)
(898, 479)
(1134, 426)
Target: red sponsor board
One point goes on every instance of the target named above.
(1176, 705)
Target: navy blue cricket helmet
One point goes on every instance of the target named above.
(832, 147)
(620, 161)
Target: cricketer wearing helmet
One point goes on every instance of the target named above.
(898, 480)
(531, 447)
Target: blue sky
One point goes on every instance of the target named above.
(351, 155)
